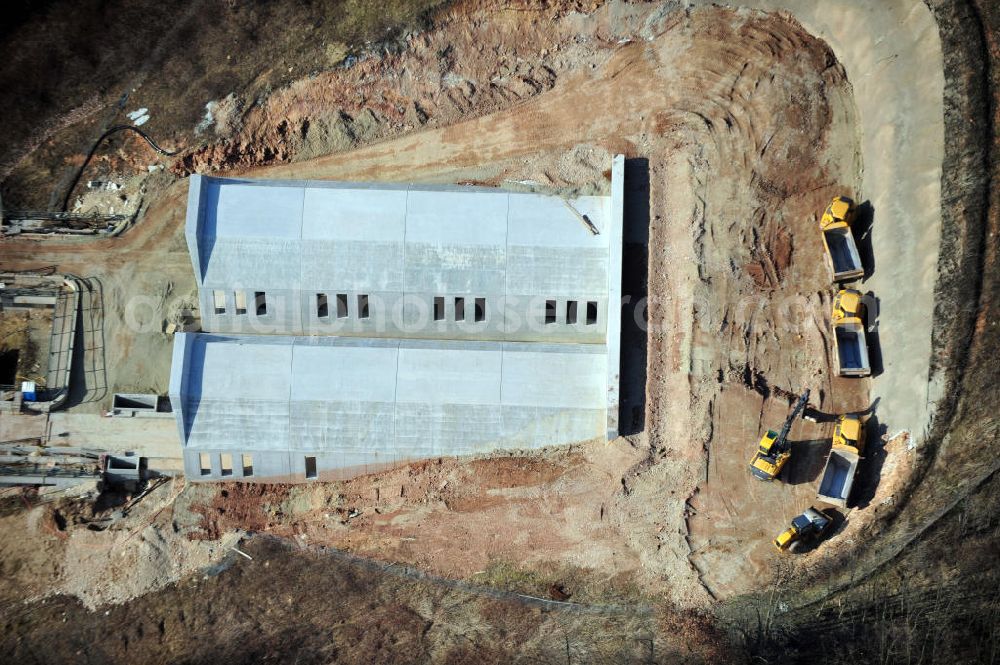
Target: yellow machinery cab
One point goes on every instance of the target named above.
(847, 304)
(839, 213)
(849, 431)
(811, 524)
(768, 462)
(782, 541)
(773, 451)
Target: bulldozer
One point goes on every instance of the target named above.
(810, 525)
(773, 451)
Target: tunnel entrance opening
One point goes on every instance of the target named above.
(8, 367)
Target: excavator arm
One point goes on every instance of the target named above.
(781, 443)
(773, 450)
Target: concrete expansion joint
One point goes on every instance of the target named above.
(314, 391)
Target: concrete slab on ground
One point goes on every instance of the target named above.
(148, 437)
(352, 402)
(15, 426)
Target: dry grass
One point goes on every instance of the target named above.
(75, 68)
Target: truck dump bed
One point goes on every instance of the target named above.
(852, 349)
(844, 256)
(838, 476)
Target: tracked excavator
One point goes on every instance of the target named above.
(774, 451)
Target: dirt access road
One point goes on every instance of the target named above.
(744, 126)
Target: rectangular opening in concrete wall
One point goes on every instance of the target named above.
(219, 300)
(322, 308)
(480, 313)
(8, 367)
(341, 305)
(241, 302)
(135, 402)
(205, 464)
(439, 308)
(226, 464)
(123, 463)
(247, 465)
(550, 311)
(310, 467)
(570, 312)
(260, 302)
(363, 306)
(460, 309)
(591, 312)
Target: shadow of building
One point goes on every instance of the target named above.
(862, 230)
(635, 280)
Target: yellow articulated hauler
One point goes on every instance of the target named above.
(841, 250)
(773, 452)
(838, 474)
(848, 319)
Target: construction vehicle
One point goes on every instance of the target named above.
(838, 474)
(774, 451)
(849, 334)
(810, 525)
(841, 250)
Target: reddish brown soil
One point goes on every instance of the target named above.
(746, 127)
(238, 505)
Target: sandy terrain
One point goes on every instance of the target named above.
(101, 555)
(707, 107)
(132, 295)
(891, 52)
(739, 127)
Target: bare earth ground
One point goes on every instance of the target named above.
(746, 125)
(592, 523)
(28, 333)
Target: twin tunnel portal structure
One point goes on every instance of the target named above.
(348, 327)
(351, 327)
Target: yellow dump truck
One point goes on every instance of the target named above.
(848, 316)
(838, 474)
(841, 250)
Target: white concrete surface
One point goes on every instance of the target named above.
(15, 426)
(614, 335)
(402, 247)
(353, 402)
(153, 438)
(361, 392)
